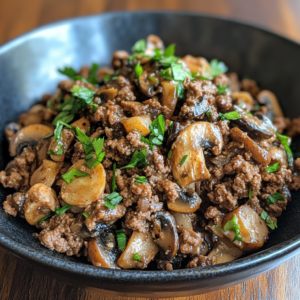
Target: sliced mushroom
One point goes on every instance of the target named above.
(183, 221)
(147, 85)
(11, 129)
(187, 202)
(269, 99)
(153, 42)
(197, 64)
(244, 97)
(225, 251)
(118, 58)
(142, 244)
(201, 106)
(166, 236)
(40, 200)
(190, 143)
(139, 123)
(102, 251)
(82, 191)
(259, 154)
(278, 155)
(169, 96)
(104, 95)
(46, 173)
(28, 136)
(258, 126)
(253, 230)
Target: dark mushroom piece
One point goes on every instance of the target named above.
(104, 95)
(269, 99)
(102, 250)
(187, 202)
(148, 83)
(173, 132)
(28, 136)
(258, 126)
(164, 229)
(11, 129)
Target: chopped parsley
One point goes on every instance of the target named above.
(61, 210)
(121, 239)
(183, 159)
(138, 159)
(250, 193)
(140, 179)
(83, 93)
(166, 58)
(136, 257)
(113, 200)
(60, 151)
(45, 218)
(69, 176)
(222, 89)
(92, 78)
(153, 79)
(113, 183)
(233, 115)
(64, 116)
(217, 67)
(208, 115)
(272, 199)
(233, 225)
(273, 168)
(58, 130)
(284, 140)
(138, 70)
(170, 154)
(48, 136)
(85, 215)
(49, 104)
(157, 131)
(70, 72)
(268, 220)
(139, 46)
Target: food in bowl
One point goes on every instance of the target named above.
(161, 162)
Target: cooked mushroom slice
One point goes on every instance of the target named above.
(142, 244)
(11, 129)
(190, 144)
(257, 126)
(164, 229)
(269, 99)
(46, 173)
(187, 202)
(197, 64)
(40, 200)
(225, 251)
(102, 251)
(259, 154)
(28, 136)
(104, 95)
(118, 58)
(139, 123)
(278, 155)
(183, 221)
(244, 98)
(169, 96)
(148, 83)
(253, 230)
(82, 191)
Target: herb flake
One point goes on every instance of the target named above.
(70, 175)
(233, 225)
(274, 198)
(273, 168)
(183, 159)
(268, 220)
(140, 179)
(121, 239)
(137, 257)
(233, 115)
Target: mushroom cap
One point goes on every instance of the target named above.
(185, 203)
(270, 100)
(28, 136)
(169, 96)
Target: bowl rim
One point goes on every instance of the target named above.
(280, 251)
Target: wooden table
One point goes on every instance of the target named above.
(18, 281)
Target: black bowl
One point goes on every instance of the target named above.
(28, 69)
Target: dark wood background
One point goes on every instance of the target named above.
(19, 281)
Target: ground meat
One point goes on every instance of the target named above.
(13, 180)
(224, 102)
(135, 140)
(171, 189)
(201, 261)
(9, 206)
(78, 152)
(234, 84)
(62, 234)
(250, 86)
(213, 213)
(137, 221)
(189, 240)
(125, 94)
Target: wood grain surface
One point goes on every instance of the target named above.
(18, 281)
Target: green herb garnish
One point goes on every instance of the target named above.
(48, 136)
(268, 220)
(83, 93)
(92, 78)
(62, 210)
(139, 46)
(272, 199)
(140, 179)
(222, 89)
(113, 183)
(121, 239)
(233, 115)
(273, 168)
(49, 104)
(139, 159)
(183, 159)
(217, 67)
(70, 72)
(69, 176)
(113, 200)
(284, 140)
(85, 215)
(153, 79)
(137, 257)
(60, 150)
(45, 218)
(233, 225)
(170, 154)
(250, 193)
(208, 115)
(138, 70)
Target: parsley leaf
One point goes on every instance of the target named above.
(63, 116)
(48, 136)
(217, 67)
(208, 115)
(60, 150)
(69, 176)
(139, 46)
(272, 199)
(180, 90)
(121, 239)
(233, 115)
(157, 131)
(233, 225)
(138, 70)
(114, 184)
(284, 140)
(83, 93)
(85, 215)
(92, 78)
(49, 104)
(113, 200)
(250, 193)
(183, 159)
(268, 220)
(222, 89)
(61, 210)
(136, 257)
(140, 179)
(169, 51)
(273, 168)
(178, 73)
(139, 159)
(45, 218)
(68, 71)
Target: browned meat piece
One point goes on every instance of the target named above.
(250, 86)
(190, 242)
(213, 213)
(202, 261)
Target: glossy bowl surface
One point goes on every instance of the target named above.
(28, 69)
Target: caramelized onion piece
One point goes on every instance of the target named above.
(82, 191)
(254, 231)
(258, 153)
(142, 244)
(169, 96)
(225, 252)
(139, 123)
(40, 200)
(191, 142)
(46, 173)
